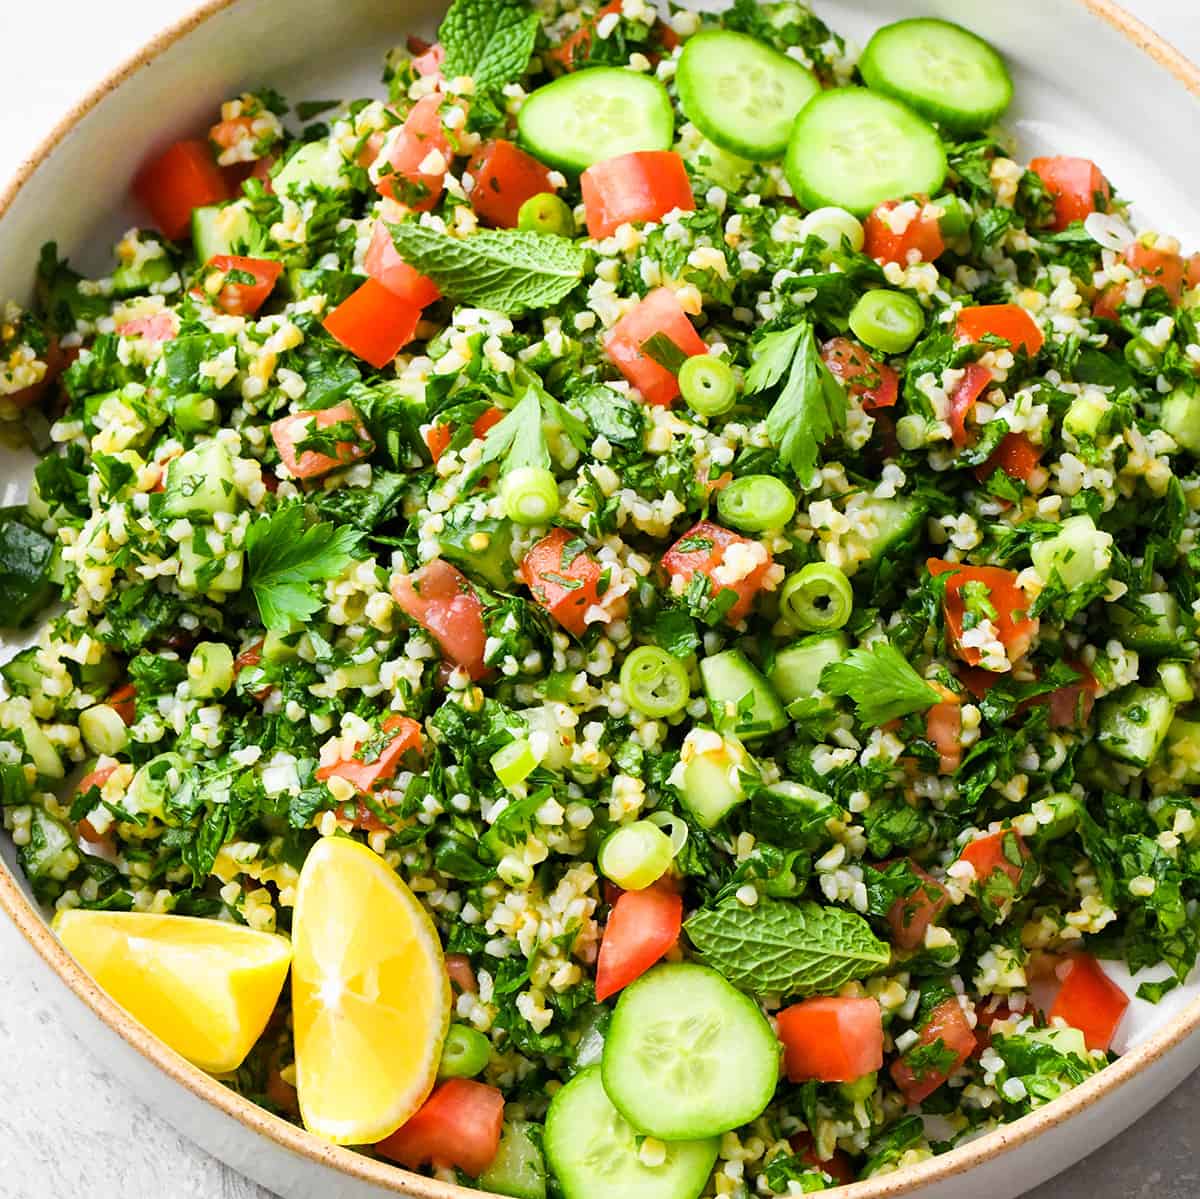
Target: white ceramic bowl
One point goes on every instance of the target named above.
(1090, 81)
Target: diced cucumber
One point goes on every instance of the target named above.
(200, 483)
(210, 670)
(1183, 751)
(894, 521)
(103, 730)
(220, 229)
(853, 149)
(335, 286)
(1079, 552)
(710, 162)
(791, 815)
(50, 851)
(315, 164)
(1133, 724)
(1067, 1041)
(22, 673)
(796, 672)
(688, 1055)
(741, 93)
(1180, 417)
(196, 570)
(128, 279)
(740, 699)
(1156, 631)
(1087, 416)
(594, 1152)
(946, 73)
(518, 1168)
(153, 783)
(29, 562)
(711, 784)
(40, 750)
(594, 114)
(481, 547)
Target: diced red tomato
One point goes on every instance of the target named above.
(565, 584)
(1156, 268)
(430, 62)
(251, 656)
(1016, 456)
(995, 852)
(875, 383)
(1074, 184)
(443, 602)
(659, 312)
(458, 967)
(985, 1017)
(1009, 321)
(505, 177)
(839, 1167)
(642, 926)
(57, 360)
(459, 1125)
(244, 299)
(1191, 276)
(1014, 628)
(366, 776)
(227, 134)
(290, 431)
(123, 701)
(1071, 706)
(184, 176)
(920, 241)
(383, 262)
(947, 1024)
(486, 420)
(373, 324)
(162, 326)
(911, 915)
(439, 437)
(422, 133)
(975, 381)
(833, 1039)
(943, 726)
(573, 48)
(95, 778)
(642, 186)
(1090, 1001)
(701, 550)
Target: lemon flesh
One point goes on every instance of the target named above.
(370, 995)
(205, 987)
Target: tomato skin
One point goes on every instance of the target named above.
(366, 776)
(1016, 456)
(458, 967)
(875, 383)
(458, 1125)
(430, 61)
(550, 581)
(373, 324)
(442, 601)
(1191, 277)
(289, 431)
(123, 701)
(943, 726)
(1089, 1001)
(1156, 268)
(422, 132)
(839, 1167)
(1009, 321)
(95, 778)
(576, 46)
(910, 915)
(162, 326)
(383, 263)
(184, 176)
(923, 236)
(1074, 184)
(833, 1039)
(1004, 595)
(642, 186)
(505, 177)
(975, 381)
(244, 299)
(684, 563)
(987, 855)
(1071, 706)
(642, 926)
(659, 312)
(948, 1024)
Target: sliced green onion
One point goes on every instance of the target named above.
(530, 495)
(546, 213)
(465, 1052)
(816, 598)
(912, 431)
(674, 826)
(210, 669)
(635, 855)
(755, 503)
(514, 762)
(708, 384)
(956, 215)
(103, 729)
(833, 226)
(887, 320)
(654, 682)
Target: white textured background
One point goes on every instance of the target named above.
(67, 1129)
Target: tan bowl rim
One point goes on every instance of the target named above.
(379, 1173)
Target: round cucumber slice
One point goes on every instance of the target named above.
(855, 149)
(742, 94)
(688, 1055)
(594, 1153)
(598, 113)
(945, 72)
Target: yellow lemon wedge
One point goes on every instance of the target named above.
(370, 995)
(205, 987)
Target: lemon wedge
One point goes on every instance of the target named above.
(370, 995)
(205, 987)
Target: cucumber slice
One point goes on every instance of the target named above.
(315, 164)
(740, 93)
(219, 229)
(688, 1055)
(943, 71)
(1134, 723)
(854, 149)
(480, 547)
(1155, 632)
(200, 483)
(21, 673)
(740, 699)
(895, 520)
(711, 785)
(50, 851)
(594, 1153)
(1180, 417)
(796, 672)
(517, 1169)
(1079, 553)
(1183, 751)
(598, 113)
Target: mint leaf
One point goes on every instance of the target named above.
(285, 561)
(778, 948)
(490, 40)
(505, 269)
(881, 683)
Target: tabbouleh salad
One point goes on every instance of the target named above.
(715, 523)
